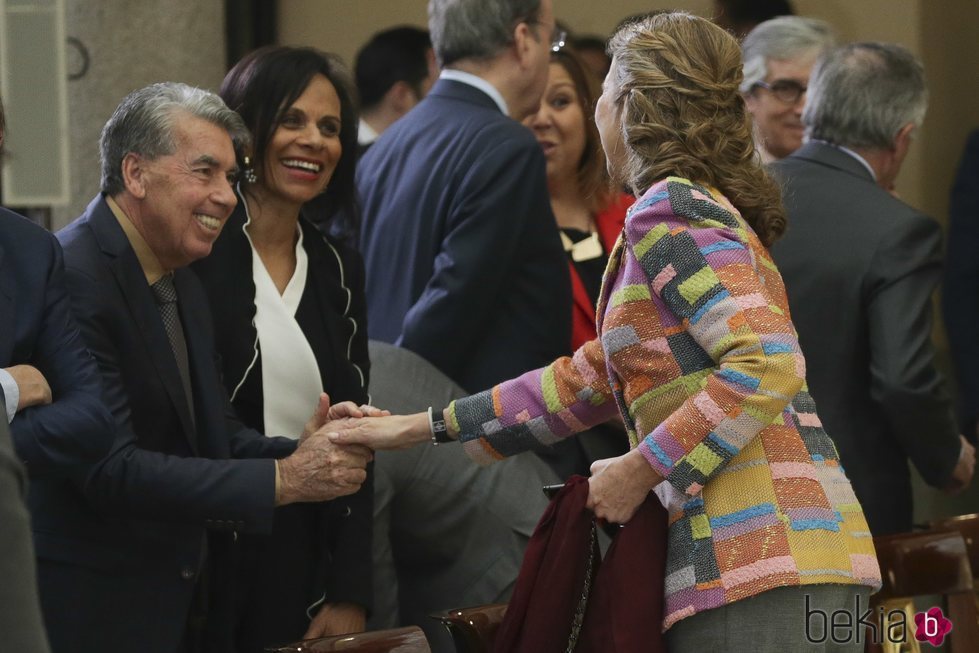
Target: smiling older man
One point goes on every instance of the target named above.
(140, 560)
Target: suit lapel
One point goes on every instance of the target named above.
(142, 307)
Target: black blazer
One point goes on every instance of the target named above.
(329, 544)
(860, 267)
(118, 567)
(960, 294)
(464, 261)
(36, 328)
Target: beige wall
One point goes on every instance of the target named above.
(132, 44)
(938, 31)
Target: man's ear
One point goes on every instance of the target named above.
(902, 141)
(134, 175)
(402, 96)
(524, 41)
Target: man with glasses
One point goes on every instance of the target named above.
(465, 268)
(778, 57)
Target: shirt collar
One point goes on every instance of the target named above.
(477, 82)
(365, 133)
(846, 150)
(148, 261)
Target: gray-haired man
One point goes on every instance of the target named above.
(860, 267)
(139, 560)
(778, 58)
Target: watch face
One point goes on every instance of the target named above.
(550, 491)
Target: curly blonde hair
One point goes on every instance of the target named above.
(674, 82)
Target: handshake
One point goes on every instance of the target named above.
(321, 469)
(336, 445)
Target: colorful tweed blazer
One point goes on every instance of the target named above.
(698, 354)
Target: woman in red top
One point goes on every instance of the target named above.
(589, 211)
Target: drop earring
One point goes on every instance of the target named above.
(249, 172)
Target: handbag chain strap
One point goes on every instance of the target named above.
(579, 613)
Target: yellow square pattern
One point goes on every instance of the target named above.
(700, 527)
(697, 284)
(703, 459)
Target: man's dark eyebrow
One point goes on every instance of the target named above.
(207, 160)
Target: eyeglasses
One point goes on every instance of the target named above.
(786, 90)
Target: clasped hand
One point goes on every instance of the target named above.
(33, 387)
(616, 489)
(319, 469)
(618, 486)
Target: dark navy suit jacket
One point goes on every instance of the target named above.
(464, 262)
(56, 441)
(36, 328)
(860, 267)
(118, 567)
(960, 295)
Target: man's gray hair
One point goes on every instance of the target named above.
(143, 124)
(475, 29)
(862, 94)
(784, 38)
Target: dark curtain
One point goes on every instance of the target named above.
(249, 24)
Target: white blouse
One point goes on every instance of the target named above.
(291, 383)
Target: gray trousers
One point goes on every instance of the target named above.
(778, 621)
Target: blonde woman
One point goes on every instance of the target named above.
(698, 354)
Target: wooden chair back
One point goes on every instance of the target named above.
(473, 630)
(399, 640)
(968, 527)
(927, 564)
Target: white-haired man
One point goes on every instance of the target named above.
(860, 267)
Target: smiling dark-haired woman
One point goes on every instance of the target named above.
(288, 303)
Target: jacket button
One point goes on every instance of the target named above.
(187, 573)
(346, 513)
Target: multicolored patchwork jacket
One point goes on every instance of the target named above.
(698, 354)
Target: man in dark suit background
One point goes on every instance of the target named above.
(51, 397)
(142, 560)
(464, 263)
(49, 382)
(394, 70)
(59, 426)
(960, 289)
(860, 267)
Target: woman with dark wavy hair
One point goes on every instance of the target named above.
(698, 354)
(288, 303)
